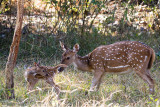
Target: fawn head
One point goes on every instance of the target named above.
(41, 71)
(44, 71)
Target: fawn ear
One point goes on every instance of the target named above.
(64, 48)
(36, 64)
(76, 47)
(60, 67)
(37, 75)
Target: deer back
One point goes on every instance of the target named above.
(120, 56)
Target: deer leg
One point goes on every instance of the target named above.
(96, 81)
(151, 86)
(50, 81)
(147, 78)
(31, 84)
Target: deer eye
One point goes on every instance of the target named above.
(68, 58)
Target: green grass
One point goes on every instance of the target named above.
(115, 90)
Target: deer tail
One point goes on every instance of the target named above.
(152, 58)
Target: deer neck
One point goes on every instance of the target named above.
(81, 63)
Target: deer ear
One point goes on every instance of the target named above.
(37, 75)
(36, 64)
(76, 48)
(60, 67)
(63, 46)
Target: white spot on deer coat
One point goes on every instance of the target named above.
(117, 67)
(145, 59)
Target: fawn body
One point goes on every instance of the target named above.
(37, 72)
(120, 57)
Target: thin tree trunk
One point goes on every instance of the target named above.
(14, 51)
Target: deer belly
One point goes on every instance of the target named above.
(119, 69)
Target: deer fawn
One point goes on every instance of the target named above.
(120, 57)
(37, 72)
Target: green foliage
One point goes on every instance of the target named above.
(54, 1)
(67, 28)
(4, 6)
(158, 53)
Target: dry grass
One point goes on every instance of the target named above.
(116, 90)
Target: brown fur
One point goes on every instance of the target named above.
(152, 59)
(37, 72)
(120, 57)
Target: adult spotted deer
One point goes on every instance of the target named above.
(120, 57)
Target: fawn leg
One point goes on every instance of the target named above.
(31, 84)
(50, 81)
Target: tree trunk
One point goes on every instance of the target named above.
(14, 51)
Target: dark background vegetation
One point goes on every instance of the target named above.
(41, 40)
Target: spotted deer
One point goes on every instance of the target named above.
(37, 72)
(120, 57)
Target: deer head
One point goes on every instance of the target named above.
(68, 57)
(39, 71)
